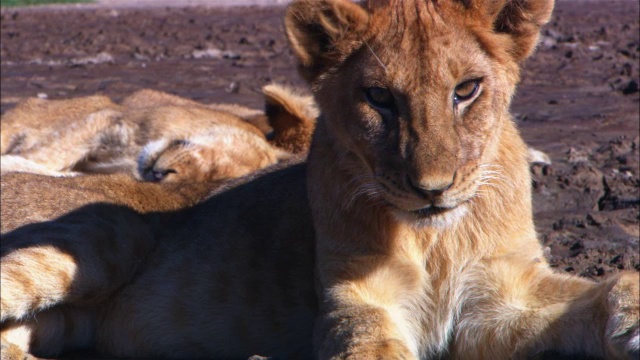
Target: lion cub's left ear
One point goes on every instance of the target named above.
(323, 33)
(519, 19)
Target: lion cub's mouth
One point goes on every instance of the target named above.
(432, 215)
(430, 211)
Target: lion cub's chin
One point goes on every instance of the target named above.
(432, 216)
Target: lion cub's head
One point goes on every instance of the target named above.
(225, 152)
(414, 94)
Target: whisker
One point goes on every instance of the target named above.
(376, 56)
(365, 185)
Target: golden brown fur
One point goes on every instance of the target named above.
(223, 152)
(30, 198)
(149, 98)
(39, 116)
(96, 135)
(434, 250)
(419, 195)
(88, 255)
(292, 117)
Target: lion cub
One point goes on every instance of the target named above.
(154, 136)
(408, 234)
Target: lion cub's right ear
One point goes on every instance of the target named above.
(323, 33)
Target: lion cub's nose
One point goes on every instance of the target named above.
(430, 188)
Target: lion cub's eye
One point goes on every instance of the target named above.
(379, 97)
(466, 90)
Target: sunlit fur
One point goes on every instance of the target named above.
(29, 198)
(318, 250)
(291, 115)
(432, 249)
(223, 152)
(94, 135)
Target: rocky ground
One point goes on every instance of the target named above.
(578, 101)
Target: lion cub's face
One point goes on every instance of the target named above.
(421, 127)
(415, 94)
(224, 153)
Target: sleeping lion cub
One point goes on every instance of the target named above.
(414, 206)
(154, 136)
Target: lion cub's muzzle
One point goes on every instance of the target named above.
(439, 198)
(427, 197)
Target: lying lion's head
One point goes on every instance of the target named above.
(226, 152)
(415, 94)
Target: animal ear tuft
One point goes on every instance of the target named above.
(292, 117)
(521, 20)
(322, 33)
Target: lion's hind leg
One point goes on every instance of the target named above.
(517, 308)
(49, 333)
(80, 259)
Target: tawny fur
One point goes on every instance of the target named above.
(222, 152)
(418, 220)
(98, 136)
(149, 98)
(292, 117)
(21, 192)
(29, 125)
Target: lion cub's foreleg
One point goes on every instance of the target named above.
(361, 316)
(515, 308)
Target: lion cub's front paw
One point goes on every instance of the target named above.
(623, 325)
(381, 350)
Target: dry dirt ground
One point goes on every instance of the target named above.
(578, 100)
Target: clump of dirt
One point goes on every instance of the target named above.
(587, 208)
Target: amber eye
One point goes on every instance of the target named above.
(379, 97)
(466, 90)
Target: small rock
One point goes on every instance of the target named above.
(233, 87)
(538, 157)
(630, 88)
(616, 259)
(103, 57)
(593, 271)
(207, 54)
(576, 248)
(595, 219)
(231, 55)
(577, 156)
(548, 42)
(556, 35)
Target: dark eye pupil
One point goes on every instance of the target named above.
(379, 97)
(466, 90)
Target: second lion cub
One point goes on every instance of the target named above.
(154, 136)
